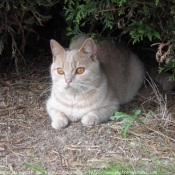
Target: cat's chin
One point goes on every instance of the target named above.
(70, 89)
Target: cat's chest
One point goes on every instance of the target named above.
(74, 107)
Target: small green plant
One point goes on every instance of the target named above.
(127, 119)
(110, 170)
(37, 169)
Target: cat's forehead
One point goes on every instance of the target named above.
(72, 59)
(66, 57)
(71, 55)
(76, 56)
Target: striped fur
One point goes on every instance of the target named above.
(112, 77)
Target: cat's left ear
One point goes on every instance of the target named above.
(56, 48)
(89, 47)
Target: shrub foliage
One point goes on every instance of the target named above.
(18, 18)
(151, 19)
(140, 19)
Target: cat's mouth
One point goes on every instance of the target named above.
(68, 86)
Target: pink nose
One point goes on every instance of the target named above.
(68, 81)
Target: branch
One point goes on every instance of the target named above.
(163, 55)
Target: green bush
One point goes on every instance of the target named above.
(18, 18)
(151, 19)
(141, 20)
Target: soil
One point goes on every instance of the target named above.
(26, 135)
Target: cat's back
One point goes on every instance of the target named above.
(124, 70)
(107, 50)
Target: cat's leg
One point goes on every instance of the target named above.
(59, 120)
(100, 115)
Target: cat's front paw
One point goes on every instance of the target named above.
(60, 123)
(89, 120)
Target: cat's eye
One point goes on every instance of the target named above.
(60, 71)
(80, 70)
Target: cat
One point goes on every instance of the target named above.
(90, 81)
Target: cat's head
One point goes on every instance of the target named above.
(76, 69)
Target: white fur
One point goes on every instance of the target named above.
(90, 97)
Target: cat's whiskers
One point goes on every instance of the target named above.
(46, 90)
(96, 78)
(89, 86)
(83, 93)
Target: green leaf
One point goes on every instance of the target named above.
(128, 120)
(125, 128)
(156, 2)
(39, 169)
(137, 112)
(112, 118)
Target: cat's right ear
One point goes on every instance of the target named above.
(56, 48)
(89, 47)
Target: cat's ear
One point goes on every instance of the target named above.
(56, 48)
(89, 47)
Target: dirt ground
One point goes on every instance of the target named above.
(26, 136)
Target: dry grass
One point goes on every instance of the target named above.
(27, 137)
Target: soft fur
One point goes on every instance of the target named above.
(112, 76)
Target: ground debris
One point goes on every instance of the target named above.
(26, 136)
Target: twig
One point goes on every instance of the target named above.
(158, 132)
(120, 138)
(59, 154)
(82, 146)
(5, 111)
(160, 56)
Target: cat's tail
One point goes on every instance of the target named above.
(160, 78)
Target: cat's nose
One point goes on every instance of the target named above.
(68, 81)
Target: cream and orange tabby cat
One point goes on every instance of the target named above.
(91, 81)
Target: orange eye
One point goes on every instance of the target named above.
(80, 70)
(60, 71)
